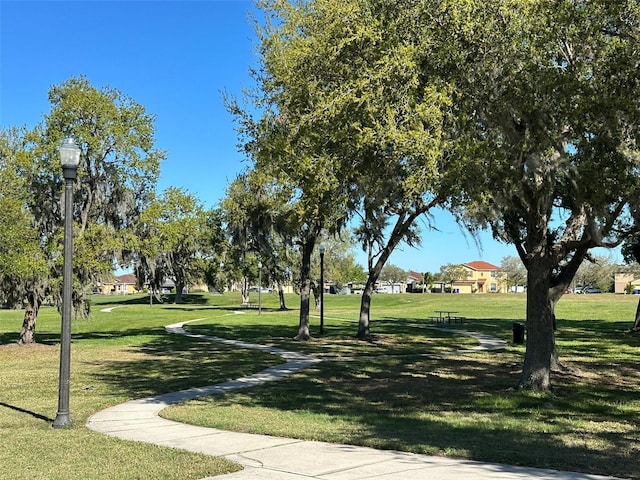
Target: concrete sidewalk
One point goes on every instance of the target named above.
(272, 458)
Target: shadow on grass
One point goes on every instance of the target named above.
(462, 407)
(54, 338)
(9, 337)
(187, 299)
(173, 362)
(612, 339)
(28, 412)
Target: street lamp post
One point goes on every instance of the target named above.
(259, 288)
(321, 249)
(70, 158)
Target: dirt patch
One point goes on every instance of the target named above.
(28, 345)
(12, 350)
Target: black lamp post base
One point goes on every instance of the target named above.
(62, 420)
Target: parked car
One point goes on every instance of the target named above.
(591, 290)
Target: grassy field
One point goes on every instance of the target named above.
(391, 392)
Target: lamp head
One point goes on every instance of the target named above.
(321, 249)
(69, 157)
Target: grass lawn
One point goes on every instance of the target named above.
(116, 357)
(384, 394)
(396, 391)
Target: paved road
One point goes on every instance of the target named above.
(273, 458)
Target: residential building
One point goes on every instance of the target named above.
(481, 277)
(120, 285)
(415, 282)
(622, 280)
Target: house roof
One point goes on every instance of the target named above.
(480, 265)
(127, 278)
(415, 276)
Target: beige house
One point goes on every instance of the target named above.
(121, 285)
(482, 277)
(621, 280)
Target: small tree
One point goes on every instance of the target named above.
(429, 278)
(450, 273)
(256, 212)
(514, 271)
(393, 274)
(596, 271)
(175, 232)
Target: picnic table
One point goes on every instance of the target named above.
(446, 315)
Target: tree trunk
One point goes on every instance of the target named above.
(28, 332)
(245, 290)
(636, 323)
(364, 330)
(179, 289)
(283, 305)
(158, 294)
(305, 291)
(305, 296)
(316, 294)
(402, 225)
(555, 358)
(540, 349)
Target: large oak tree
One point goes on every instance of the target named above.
(118, 169)
(546, 128)
(351, 122)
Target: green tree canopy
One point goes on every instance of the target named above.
(452, 272)
(546, 130)
(261, 226)
(350, 121)
(118, 170)
(174, 232)
(393, 274)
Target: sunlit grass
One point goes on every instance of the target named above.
(389, 392)
(460, 405)
(116, 357)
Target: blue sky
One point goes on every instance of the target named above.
(175, 58)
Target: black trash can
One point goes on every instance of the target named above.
(518, 333)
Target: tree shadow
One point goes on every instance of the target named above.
(172, 363)
(167, 299)
(461, 406)
(54, 338)
(403, 403)
(9, 337)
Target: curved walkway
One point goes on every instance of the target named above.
(273, 458)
